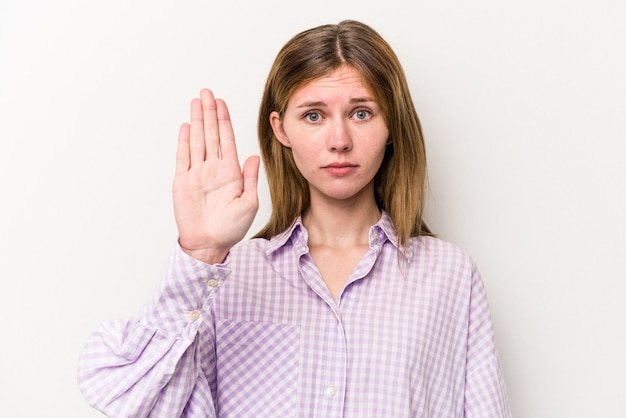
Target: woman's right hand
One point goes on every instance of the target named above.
(215, 201)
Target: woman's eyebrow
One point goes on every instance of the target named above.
(320, 103)
(312, 104)
(362, 100)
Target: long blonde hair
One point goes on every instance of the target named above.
(400, 184)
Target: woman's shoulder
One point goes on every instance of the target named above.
(274, 245)
(440, 250)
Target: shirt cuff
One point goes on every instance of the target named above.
(185, 294)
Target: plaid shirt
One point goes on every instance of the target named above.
(260, 335)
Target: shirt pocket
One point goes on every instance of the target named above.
(257, 368)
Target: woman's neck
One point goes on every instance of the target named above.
(340, 226)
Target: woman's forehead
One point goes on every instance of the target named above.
(342, 83)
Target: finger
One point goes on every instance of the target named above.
(250, 179)
(211, 128)
(197, 149)
(182, 150)
(228, 148)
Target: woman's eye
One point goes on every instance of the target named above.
(312, 116)
(361, 114)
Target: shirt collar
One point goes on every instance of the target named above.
(379, 232)
(279, 240)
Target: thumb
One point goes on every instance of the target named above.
(250, 174)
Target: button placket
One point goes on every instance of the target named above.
(212, 282)
(194, 315)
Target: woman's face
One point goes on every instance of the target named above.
(337, 134)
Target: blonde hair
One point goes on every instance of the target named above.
(400, 184)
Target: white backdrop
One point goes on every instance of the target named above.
(522, 106)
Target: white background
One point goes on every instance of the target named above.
(523, 107)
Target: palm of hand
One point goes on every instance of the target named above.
(214, 200)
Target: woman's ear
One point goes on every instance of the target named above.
(277, 126)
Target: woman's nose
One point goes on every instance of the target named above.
(339, 138)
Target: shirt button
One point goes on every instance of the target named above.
(375, 236)
(212, 282)
(195, 314)
(331, 391)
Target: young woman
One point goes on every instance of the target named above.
(344, 305)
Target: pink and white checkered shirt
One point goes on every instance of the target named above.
(410, 335)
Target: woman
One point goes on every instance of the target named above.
(344, 305)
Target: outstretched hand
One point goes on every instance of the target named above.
(215, 201)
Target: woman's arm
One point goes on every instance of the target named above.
(150, 365)
(485, 389)
(160, 363)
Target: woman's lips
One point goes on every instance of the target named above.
(340, 169)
